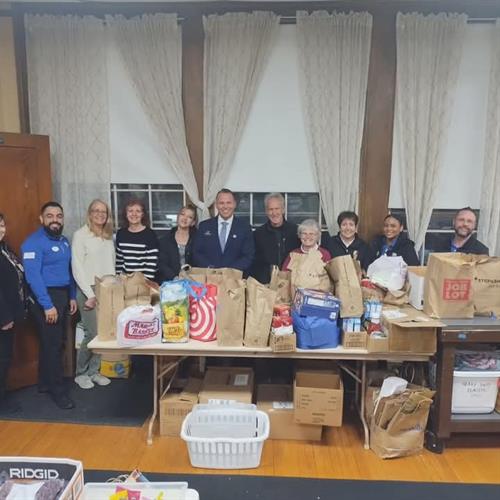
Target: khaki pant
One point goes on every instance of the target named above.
(87, 362)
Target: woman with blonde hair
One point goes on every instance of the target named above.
(93, 255)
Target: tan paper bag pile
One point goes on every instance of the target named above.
(259, 313)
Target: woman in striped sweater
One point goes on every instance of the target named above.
(137, 247)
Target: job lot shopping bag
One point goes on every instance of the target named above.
(486, 286)
(345, 277)
(259, 313)
(281, 283)
(448, 287)
(230, 312)
(202, 312)
(308, 271)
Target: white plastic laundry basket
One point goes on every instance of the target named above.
(474, 391)
(227, 436)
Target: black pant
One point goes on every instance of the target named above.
(50, 366)
(6, 348)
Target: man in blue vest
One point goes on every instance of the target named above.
(47, 266)
(224, 240)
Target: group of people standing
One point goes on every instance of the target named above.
(55, 279)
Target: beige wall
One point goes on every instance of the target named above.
(9, 107)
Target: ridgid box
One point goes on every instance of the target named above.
(277, 401)
(318, 397)
(227, 384)
(175, 405)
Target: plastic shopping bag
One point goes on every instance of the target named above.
(202, 311)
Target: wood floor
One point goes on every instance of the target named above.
(474, 458)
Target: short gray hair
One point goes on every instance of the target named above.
(274, 196)
(309, 224)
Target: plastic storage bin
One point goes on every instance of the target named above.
(225, 436)
(171, 491)
(474, 391)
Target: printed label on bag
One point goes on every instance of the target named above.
(241, 379)
(140, 330)
(456, 290)
(283, 405)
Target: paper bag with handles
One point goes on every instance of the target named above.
(110, 293)
(137, 292)
(230, 314)
(281, 283)
(200, 274)
(308, 271)
(448, 286)
(486, 286)
(259, 313)
(345, 277)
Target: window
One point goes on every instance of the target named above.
(298, 206)
(163, 202)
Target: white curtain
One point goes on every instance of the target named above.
(334, 55)
(489, 219)
(429, 50)
(237, 46)
(151, 47)
(68, 101)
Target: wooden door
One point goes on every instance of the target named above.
(25, 185)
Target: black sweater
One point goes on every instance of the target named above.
(11, 304)
(272, 246)
(336, 247)
(472, 245)
(404, 247)
(169, 264)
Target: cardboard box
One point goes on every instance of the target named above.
(416, 279)
(174, 406)
(115, 365)
(354, 340)
(377, 344)
(227, 384)
(410, 330)
(283, 343)
(318, 397)
(277, 401)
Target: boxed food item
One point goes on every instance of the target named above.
(314, 303)
(277, 401)
(474, 391)
(176, 404)
(61, 472)
(283, 338)
(410, 330)
(318, 397)
(115, 365)
(175, 310)
(227, 384)
(416, 279)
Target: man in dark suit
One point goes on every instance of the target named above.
(224, 240)
(463, 240)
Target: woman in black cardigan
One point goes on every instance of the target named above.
(12, 298)
(176, 245)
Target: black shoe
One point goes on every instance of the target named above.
(63, 401)
(8, 407)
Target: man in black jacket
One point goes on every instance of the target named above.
(274, 240)
(464, 224)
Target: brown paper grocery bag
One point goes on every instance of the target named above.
(230, 314)
(398, 297)
(259, 313)
(448, 286)
(486, 286)
(136, 289)
(345, 277)
(281, 283)
(308, 271)
(109, 291)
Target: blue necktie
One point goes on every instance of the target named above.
(223, 235)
